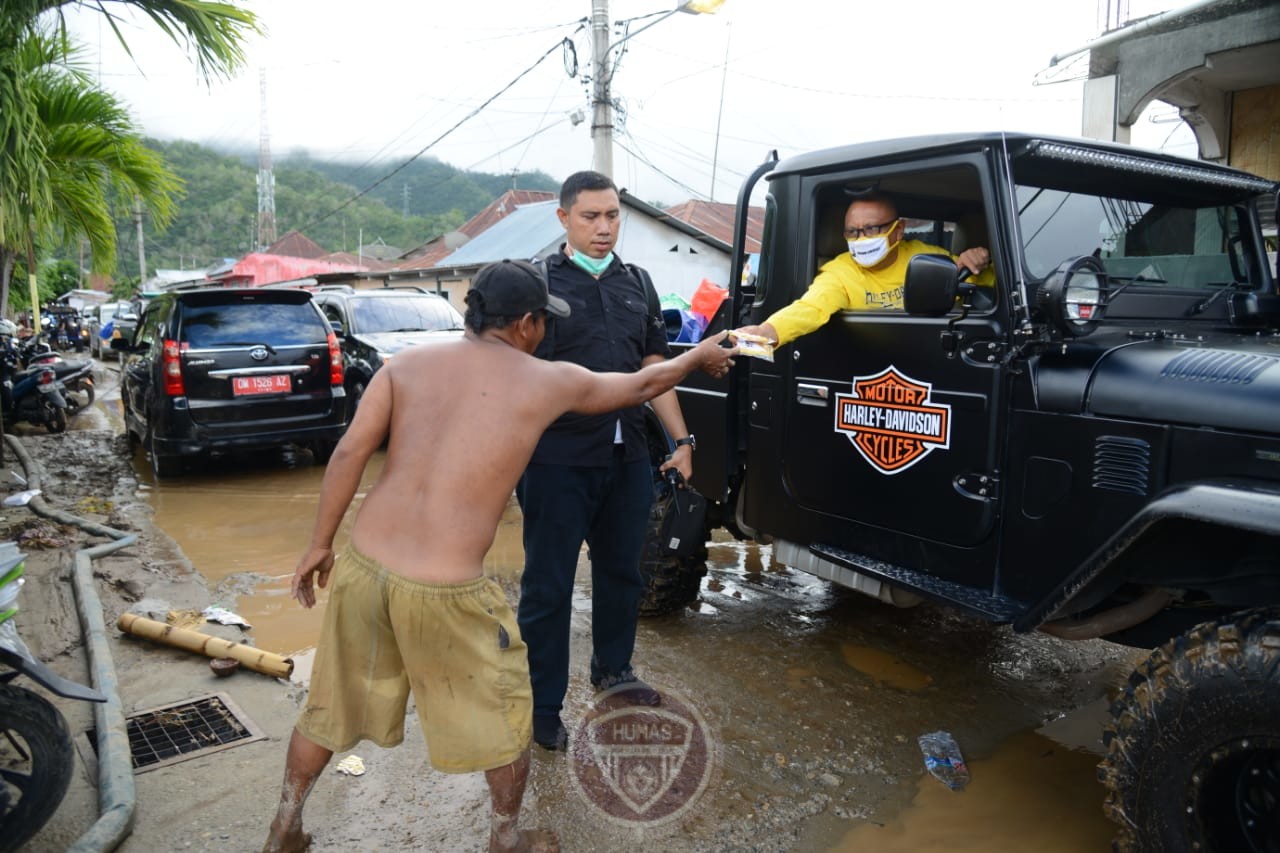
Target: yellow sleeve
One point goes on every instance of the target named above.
(827, 295)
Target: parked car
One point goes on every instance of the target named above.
(215, 370)
(113, 313)
(373, 325)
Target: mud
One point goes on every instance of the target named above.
(814, 695)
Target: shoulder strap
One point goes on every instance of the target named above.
(650, 294)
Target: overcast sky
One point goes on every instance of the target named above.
(384, 79)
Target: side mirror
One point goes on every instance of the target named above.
(336, 325)
(931, 287)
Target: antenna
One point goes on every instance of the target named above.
(266, 179)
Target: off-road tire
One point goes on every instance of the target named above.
(1193, 751)
(670, 583)
(33, 787)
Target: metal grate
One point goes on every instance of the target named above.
(185, 730)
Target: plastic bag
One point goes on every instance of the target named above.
(942, 758)
(706, 300)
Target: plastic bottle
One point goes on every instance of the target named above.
(942, 758)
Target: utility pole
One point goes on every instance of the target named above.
(142, 252)
(601, 103)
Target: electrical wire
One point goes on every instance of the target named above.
(435, 141)
(645, 160)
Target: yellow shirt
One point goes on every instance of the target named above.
(842, 285)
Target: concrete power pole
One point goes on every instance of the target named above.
(266, 178)
(142, 252)
(601, 99)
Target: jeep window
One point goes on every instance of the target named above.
(247, 323)
(403, 314)
(1163, 245)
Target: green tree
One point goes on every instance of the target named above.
(41, 165)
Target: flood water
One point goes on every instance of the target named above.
(816, 694)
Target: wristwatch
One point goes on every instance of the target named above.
(689, 440)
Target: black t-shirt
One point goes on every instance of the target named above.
(615, 323)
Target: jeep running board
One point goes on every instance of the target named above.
(978, 602)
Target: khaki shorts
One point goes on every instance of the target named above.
(456, 646)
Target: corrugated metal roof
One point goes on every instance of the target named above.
(518, 236)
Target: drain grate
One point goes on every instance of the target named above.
(185, 730)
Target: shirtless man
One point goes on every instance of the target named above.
(462, 420)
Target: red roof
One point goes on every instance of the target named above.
(295, 245)
(716, 219)
(259, 268)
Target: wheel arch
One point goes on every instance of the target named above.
(1241, 514)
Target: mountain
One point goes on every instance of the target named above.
(330, 202)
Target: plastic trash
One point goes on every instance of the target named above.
(224, 617)
(942, 758)
(21, 498)
(352, 765)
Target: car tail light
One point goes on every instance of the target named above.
(171, 370)
(335, 360)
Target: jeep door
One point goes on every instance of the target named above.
(882, 428)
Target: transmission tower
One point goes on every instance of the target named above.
(266, 179)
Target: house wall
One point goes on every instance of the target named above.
(677, 262)
(1255, 131)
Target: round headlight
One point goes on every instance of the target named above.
(1074, 296)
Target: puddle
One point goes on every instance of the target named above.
(885, 668)
(1033, 794)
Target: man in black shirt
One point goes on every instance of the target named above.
(590, 479)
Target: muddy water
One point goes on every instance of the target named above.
(815, 694)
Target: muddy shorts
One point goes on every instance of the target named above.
(455, 646)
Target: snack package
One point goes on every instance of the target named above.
(756, 346)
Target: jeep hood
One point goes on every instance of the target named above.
(393, 342)
(1233, 387)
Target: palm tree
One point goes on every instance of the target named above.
(41, 195)
(90, 153)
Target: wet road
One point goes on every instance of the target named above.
(815, 695)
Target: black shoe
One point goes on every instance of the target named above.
(549, 732)
(632, 689)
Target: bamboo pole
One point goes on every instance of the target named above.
(267, 663)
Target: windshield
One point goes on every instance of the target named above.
(408, 313)
(1183, 247)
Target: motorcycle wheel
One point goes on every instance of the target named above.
(36, 758)
(57, 420)
(82, 389)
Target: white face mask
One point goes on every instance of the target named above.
(869, 251)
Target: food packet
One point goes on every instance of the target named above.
(756, 346)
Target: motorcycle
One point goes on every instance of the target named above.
(36, 751)
(33, 395)
(76, 376)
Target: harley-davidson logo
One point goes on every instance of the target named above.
(891, 420)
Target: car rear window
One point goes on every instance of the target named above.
(404, 314)
(247, 324)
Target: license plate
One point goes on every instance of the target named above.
(279, 383)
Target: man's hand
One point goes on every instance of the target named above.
(714, 359)
(681, 460)
(317, 562)
(975, 260)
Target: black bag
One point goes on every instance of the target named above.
(684, 518)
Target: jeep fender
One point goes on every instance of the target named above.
(1244, 505)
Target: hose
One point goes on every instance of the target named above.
(117, 795)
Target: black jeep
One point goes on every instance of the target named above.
(1092, 449)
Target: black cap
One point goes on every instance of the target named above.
(515, 288)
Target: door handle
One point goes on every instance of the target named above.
(811, 395)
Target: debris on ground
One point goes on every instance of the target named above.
(942, 758)
(352, 765)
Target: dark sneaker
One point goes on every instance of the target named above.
(630, 688)
(549, 732)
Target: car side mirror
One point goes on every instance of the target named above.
(931, 286)
(336, 325)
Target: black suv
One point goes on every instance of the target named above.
(1090, 448)
(211, 370)
(373, 325)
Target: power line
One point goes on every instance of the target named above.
(435, 141)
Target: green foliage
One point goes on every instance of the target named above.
(58, 277)
(217, 219)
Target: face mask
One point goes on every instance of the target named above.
(869, 251)
(595, 266)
